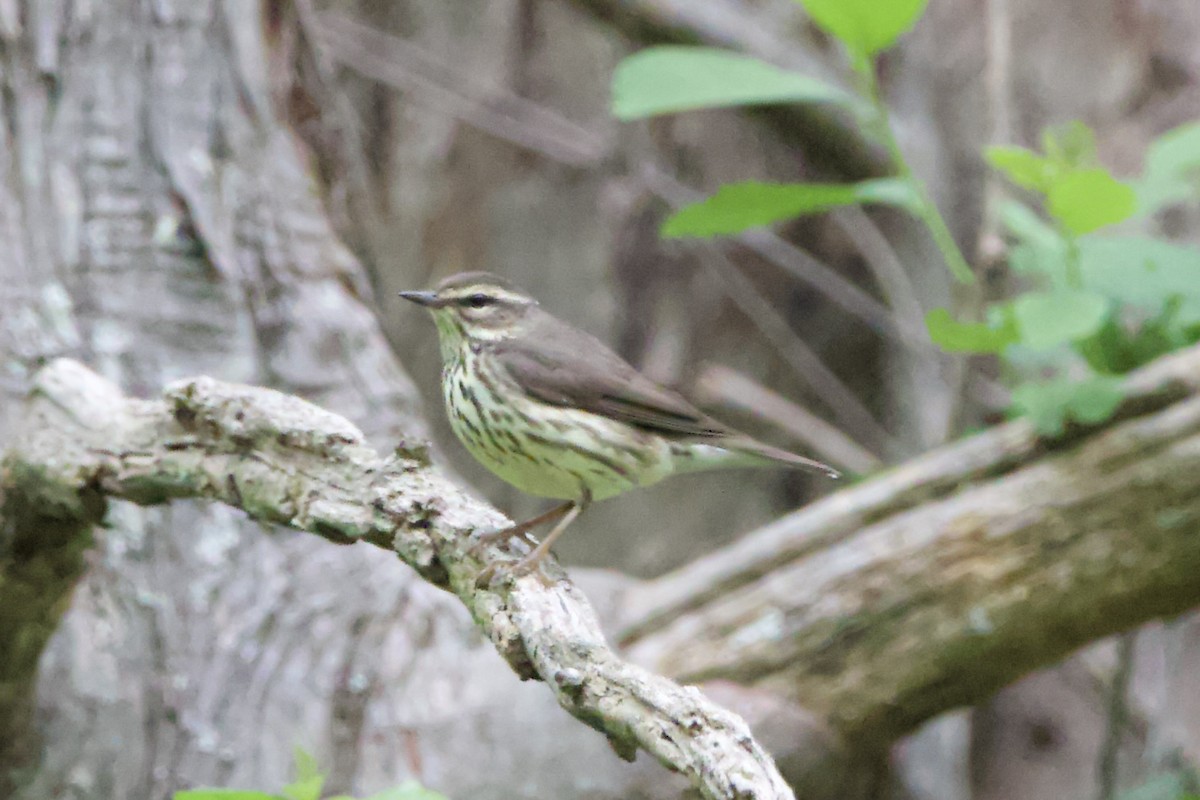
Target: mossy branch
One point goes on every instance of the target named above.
(938, 582)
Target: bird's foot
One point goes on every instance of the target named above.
(513, 570)
(566, 513)
(496, 537)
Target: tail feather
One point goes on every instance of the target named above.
(746, 452)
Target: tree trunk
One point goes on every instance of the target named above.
(158, 220)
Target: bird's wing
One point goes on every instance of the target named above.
(565, 367)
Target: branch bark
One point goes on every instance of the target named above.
(283, 460)
(935, 584)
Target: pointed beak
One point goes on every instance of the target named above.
(427, 299)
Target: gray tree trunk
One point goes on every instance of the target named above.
(158, 219)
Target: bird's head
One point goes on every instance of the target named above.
(475, 307)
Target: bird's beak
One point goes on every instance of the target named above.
(427, 299)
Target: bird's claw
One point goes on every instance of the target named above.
(512, 571)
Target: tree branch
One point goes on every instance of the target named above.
(285, 461)
(934, 584)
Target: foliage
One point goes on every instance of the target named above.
(307, 786)
(739, 206)
(1177, 784)
(1097, 305)
(668, 79)
(1110, 303)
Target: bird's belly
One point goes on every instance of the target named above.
(555, 452)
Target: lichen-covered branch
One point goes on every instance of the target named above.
(286, 461)
(950, 576)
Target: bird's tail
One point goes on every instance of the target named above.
(745, 452)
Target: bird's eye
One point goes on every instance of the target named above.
(477, 301)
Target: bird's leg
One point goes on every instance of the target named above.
(532, 560)
(521, 528)
(570, 511)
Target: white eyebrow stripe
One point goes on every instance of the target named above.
(502, 295)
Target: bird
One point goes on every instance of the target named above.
(553, 411)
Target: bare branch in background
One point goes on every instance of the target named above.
(401, 64)
(807, 365)
(989, 249)
(964, 372)
(285, 461)
(720, 384)
(1117, 718)
(934, 584)
(891, 277)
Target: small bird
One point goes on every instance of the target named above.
(554, 412)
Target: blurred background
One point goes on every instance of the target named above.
(241, 188)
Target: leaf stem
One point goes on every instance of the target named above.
(1074, 272)
(925, 209)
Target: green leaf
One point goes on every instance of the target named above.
(305, 788)
(673, 78)
(1172, 173)
(865, 26)
(409, 790)
(1143, 272)
(1023, 167)
(1027, 225)
(306, 763)
(1118, 348)
(1070, 146)
(309, 780)
(223, 794)
(1164, 786)
(739, 206)
(1051, 404)
(895, 192)
(1046, 319)
(1041, 248)
(969, 337)
(1089, 199)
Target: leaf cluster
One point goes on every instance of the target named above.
(1104, 304)
(307, 786)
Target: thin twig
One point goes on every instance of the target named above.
(997, 87)
(1118, 717)
(805, 363)
(925, 208)
(401, 64)
(880, 257)
(718, 383)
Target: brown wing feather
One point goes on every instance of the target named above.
(569, 368)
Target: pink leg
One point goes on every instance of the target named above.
(513, 531)
(532, 561)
